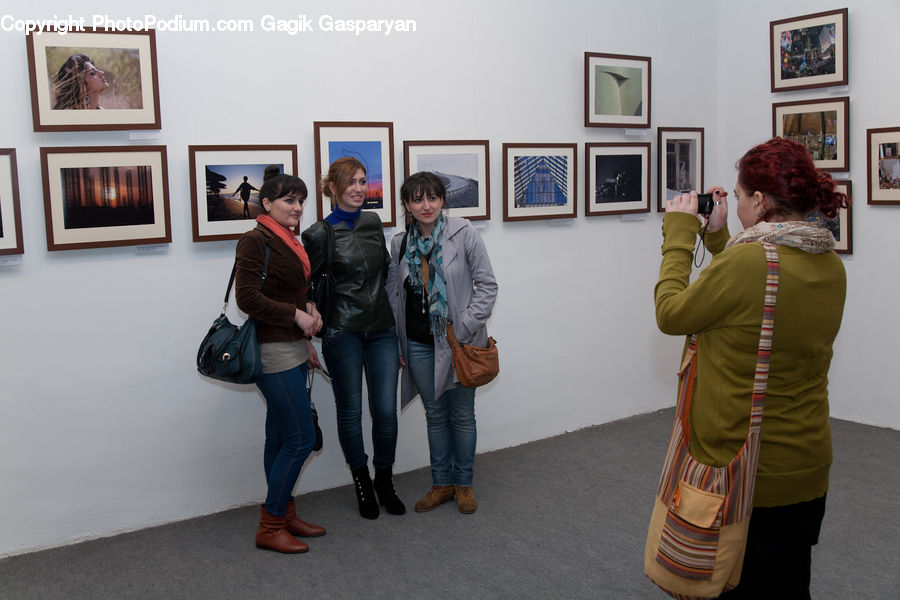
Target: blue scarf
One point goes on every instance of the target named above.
(431, 249)
(338, 215)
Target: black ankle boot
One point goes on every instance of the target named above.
(365, 493)
(387, 495)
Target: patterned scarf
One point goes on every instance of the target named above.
(807, 236)
(432, 251)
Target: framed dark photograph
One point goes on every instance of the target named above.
(539, 181)
(75, 75)
(225, 182)
(809, 51)
(820, 125)
(883, 173)
(100, 196)
(10, 211)
(463, 166)
(616, 90)
(372, 143)
(680, 161)
(617, 178)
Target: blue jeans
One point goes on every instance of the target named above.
(290, 434)
(450, 420)
(347, 354)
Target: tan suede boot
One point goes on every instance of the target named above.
(437, 495)
(297, 526)
(272, 535)
(465, 499)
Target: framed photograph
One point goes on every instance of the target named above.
(820, 125)
(809, 51)
(373, 145)
(74, 75)
(101, 196)
(463, 166)
(225, 182)
(617, 178)
(616, 90)
(883, 148)
(539, 181)
(680, 160)
(840, 225)
(10, 212)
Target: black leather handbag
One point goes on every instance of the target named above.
(230, 352)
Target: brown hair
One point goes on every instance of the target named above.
(340, 173)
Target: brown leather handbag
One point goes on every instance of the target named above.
(474, 366)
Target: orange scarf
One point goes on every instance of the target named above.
(287, 236)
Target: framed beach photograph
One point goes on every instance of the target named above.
(617, 178)
(883, 172)
(820, 125)
(99, 196)
(92, 81)
(616, 90)
(539, 181)
(463, 166)
(10, 211)
(225, 183)
(680, 162)
(372, 143)
(809, 51)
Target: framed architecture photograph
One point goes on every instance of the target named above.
(616, 90)
(680, 160)
(883, 172)
(820, 125)
(809, 51)
(617, 178)
(99, 196)
(92, 81)
(463, 166)
(539, 181)
(10, 211)
(225, 183)
(372, 144)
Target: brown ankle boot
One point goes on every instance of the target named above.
(272, 535)
(465, 499)
(437, 495)
(297, 526)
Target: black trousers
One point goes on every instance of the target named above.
(779, 548)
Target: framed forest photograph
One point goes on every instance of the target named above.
(463, 166)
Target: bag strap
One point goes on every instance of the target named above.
(265, 273)
(329, 247)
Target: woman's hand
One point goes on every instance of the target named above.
(307, 323)
(686, 203)
(313, 360)
(719, 217)
(314, 312)
(402, 361)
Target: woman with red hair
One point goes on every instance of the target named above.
(780, 197)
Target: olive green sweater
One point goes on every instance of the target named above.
(725, 306)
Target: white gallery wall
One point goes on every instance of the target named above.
(105, 426)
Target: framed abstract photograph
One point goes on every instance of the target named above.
(616, 90)
(539, 181)
(463, 166)
(883, 172)
(372, 143)
(680, 161)
(10, 211)
(809, 51)
(225, 183)
(99, 196)
(617, 178)
(820, 125)
(93, 80)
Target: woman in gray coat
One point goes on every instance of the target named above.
(439, 273)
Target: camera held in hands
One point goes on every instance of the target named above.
(705, 204)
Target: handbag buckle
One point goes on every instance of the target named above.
(226, 357)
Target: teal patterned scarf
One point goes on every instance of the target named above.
(431, 250)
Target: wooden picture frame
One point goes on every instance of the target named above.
(617, 178)
(616, 90)
(215, 170)
(883, 160)
(463, 166)
(102, 196)
(820, 125)
(372, 143)
(842, 225)
(680, 162)
(10, 210)
(809, 51)
(539, 181)
(124, 60)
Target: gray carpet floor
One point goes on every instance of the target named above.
(563, 517)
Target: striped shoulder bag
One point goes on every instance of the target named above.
(698, 530)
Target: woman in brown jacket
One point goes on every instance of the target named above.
(274, 294)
